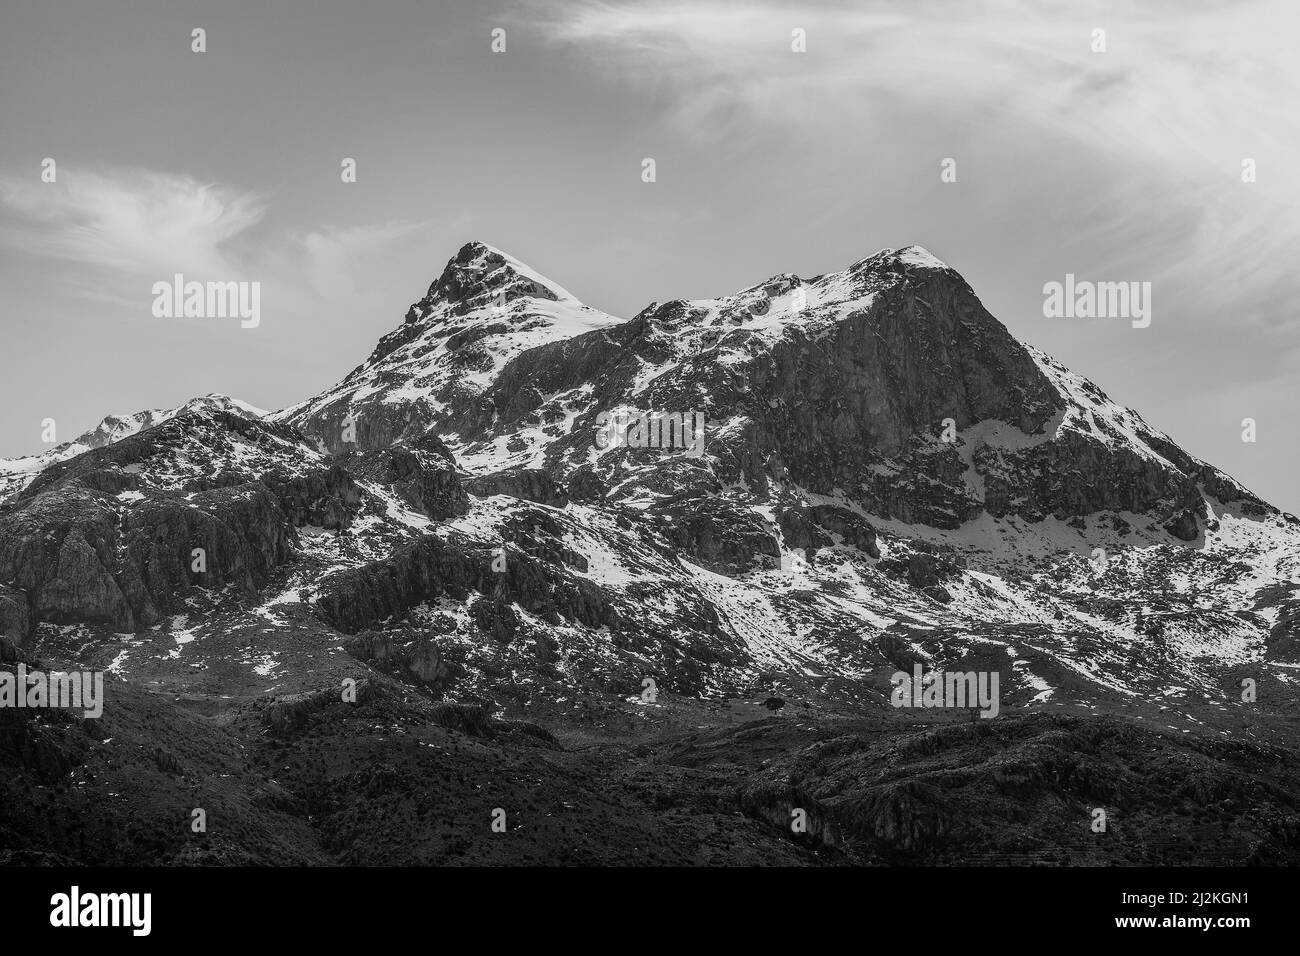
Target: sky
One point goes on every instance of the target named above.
(1117, 155)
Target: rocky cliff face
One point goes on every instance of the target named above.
(122, 533)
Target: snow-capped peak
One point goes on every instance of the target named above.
(216, 401)
(489, 254)
(913, 255)
(483, 311)
(17, 473)
(920, 256)
(114, 428)
(482, 276)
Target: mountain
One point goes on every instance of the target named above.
(608, 621)
(17, 473)
(484, 311)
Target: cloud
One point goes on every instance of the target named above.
(117, 231)
(131, 221)
(1181, 77)
(1130, 158)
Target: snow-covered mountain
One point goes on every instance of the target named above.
(885, 477)
(17, 473)
(484, 310)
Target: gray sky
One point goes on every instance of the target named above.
(1123, 165)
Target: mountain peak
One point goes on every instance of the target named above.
(114, 428)
(17, 473)
(218, 401)
(479, 275)
(920, 256)
(913, 255)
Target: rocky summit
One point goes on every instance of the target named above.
(538, 584)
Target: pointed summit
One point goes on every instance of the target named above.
(482, 312)
(481, 275)
(913, 255)
(920, 256)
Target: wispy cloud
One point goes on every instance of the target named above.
(1175, 76)
(1134, 153)
(119, 230)
(134, 221)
